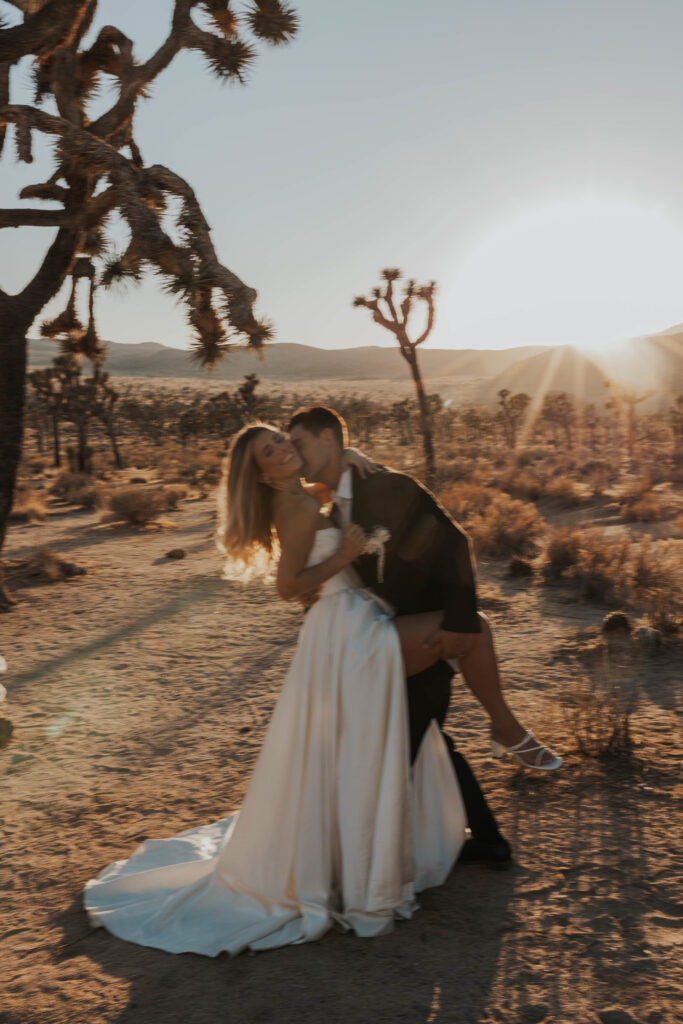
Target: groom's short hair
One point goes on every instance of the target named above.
(319, 417)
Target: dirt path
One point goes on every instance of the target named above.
(140, 693)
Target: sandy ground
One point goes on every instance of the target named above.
(140, 693)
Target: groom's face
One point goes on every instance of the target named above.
(315, 450)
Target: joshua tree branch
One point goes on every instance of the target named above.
(43, 30)
(139, 76)
(430, 321)
(53, 270)
(35, 218)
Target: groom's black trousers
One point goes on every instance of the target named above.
(429, 694)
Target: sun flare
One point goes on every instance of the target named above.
(588, 271)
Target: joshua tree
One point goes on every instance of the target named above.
(676, 419)
(98, 169)
(512, 410)
(558, 410)
(624, 401)
(384, 310)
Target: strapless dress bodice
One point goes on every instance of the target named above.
(326, 542)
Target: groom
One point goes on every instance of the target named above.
(428, 566)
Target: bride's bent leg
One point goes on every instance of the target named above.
(479, 666)
(413, 631)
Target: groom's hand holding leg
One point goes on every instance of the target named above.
(446, 645)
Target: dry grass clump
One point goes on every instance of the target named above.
(602, 569)
(603, 702)
(141, 505)
(174, 493)
(195, 467)
(28, 506)
(562, 552)
(644, 509)
(599, 475)
(463, 500)
(138, 505)
(526, 483)
(529, 456)
(79, 489)
(500, 525)
(658, 581)
(610, 570)
(598, 564)
(564, 490)
(42, 566)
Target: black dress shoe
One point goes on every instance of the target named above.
(495, 854)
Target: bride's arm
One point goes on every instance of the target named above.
(364, 465)
(296, 531)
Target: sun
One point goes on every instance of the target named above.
(589, 271)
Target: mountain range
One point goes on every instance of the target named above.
(648, 364)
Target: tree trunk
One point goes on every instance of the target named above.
(13, 358)
(109, 427)
(425, 419)
(56, 443)
(82, 427)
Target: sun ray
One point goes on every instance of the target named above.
(536, 402)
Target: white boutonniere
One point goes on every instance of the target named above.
(374, 545)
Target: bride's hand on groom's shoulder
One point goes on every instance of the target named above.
(364, 465)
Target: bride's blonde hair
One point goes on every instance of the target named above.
(245, 509)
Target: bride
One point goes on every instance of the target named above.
(335, 826)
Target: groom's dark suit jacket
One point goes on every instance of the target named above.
(428, 557)
(428, 566)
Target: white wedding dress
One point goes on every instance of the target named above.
(335, 826)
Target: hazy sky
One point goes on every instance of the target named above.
(525, 154)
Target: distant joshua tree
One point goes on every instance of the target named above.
(559, 412)
(512, 410)
(99, 170)
(676, 418)
(624, 401)
(384, 310)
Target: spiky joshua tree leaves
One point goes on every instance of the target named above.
(99, 170)
(388, 312)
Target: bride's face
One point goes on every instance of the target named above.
(276, 457)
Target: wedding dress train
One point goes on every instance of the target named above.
(335, 826)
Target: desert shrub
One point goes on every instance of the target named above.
(520, 568)
(602, 703)
(634, 490)
(173, 493)
(644, 509)
(42, 566)
(562, 552)
(658, 580)
(464, 499)
(138, 505)
(78, 489)
(455, 469)
(506, 526)
(500, 525)
(528, 484)
(564, 490)
(195, 467)
(600, 477)
(529, 456)
(28, 506)
(602, 569)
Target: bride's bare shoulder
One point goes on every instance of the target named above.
(295, 511)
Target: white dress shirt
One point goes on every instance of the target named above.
(343, 499)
